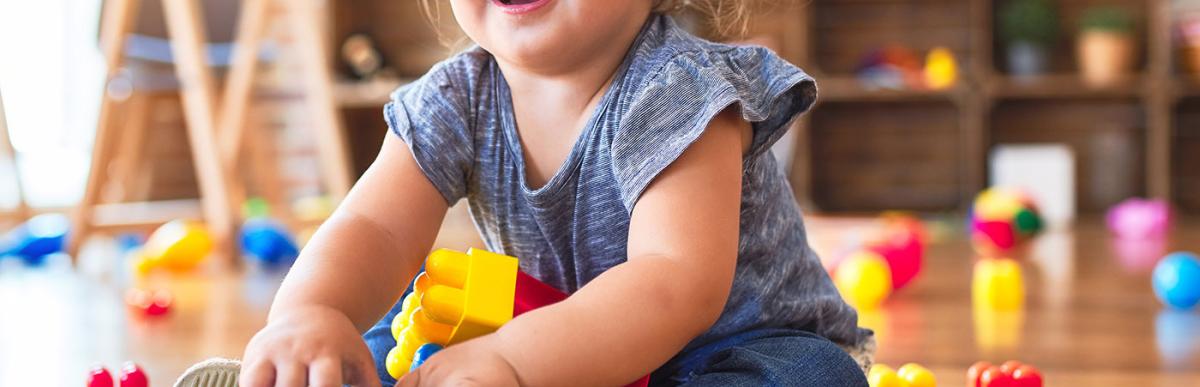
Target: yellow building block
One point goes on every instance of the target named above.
(460, 296)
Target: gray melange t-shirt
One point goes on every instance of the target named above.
(458, 121)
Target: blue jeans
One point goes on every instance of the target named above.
(765, 357)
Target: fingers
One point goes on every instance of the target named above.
(411, 379)
(325, 372)
(360, 371)
(258, 374)
(291, 375)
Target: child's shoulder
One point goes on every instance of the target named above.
(668, 57)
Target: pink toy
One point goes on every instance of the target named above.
(1137, 218)
(99, 377)
(133, 376)
(903, 253)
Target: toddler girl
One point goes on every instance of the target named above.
(625, 162)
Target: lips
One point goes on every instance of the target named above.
(517, 7)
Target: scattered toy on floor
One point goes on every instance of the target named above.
(99, 377)
(178, 246)
(997, 284)
(909, 375)
(1176, 280)
(147, 303)
(1010, 374)
(37, 238)
(1136, 218)
(133, 376)
(1002, 218)
(268, 242)
(864, 279)
(901, 242)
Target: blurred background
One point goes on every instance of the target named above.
(162, 160)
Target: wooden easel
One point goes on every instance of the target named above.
(216, 137)
(8, 152)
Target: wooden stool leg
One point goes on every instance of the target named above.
(332, 150)
(234, 104)
(188, 40)
(118, 22)
(129, 152)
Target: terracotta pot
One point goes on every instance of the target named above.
(1104, 57)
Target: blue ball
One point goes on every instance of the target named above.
(268, 242)
(37, 238)
(1177, 280)
(423, 354)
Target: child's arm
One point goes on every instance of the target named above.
(353, 269)
(683, 242)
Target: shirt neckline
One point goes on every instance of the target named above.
(570, 165)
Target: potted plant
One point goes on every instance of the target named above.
(1028, 29)
(1105, 46)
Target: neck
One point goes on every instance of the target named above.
(569, 87)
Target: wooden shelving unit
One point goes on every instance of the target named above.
(864, 149)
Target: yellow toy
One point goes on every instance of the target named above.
(864, 280)
(178, 246)
(458, 297)
(909, 375)
(941, 70)
(997, 285)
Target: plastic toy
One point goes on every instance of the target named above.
(423, 354)
(178, 246)
(881, 375)
(892, 67)
(864, 280)
(1176, 280)
(975, 372)
(1000, 219)
(941, 69)
(150, 304)
(997, 285)
(1011, 374)
(36, 239)
(917, 376)
(461, 296)
(909, 375)
(99, 377)
(902, 244)
(1136, 218)
(133, 376)
(268, 242)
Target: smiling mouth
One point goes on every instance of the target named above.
(518, 7)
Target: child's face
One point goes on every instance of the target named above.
(549, 35)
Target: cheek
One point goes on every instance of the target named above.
(471, 16)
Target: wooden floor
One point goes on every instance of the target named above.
(1090, 318)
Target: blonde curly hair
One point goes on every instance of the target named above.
(726, 18)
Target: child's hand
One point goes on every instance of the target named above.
(312, 346)
(473, 363)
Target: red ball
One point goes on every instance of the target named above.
(975, 372)
(1027, 376)
(995, 377)
(160, 304)
(1009, 366)
(99, 377)
(133, 376)
(994, 235)
(903, 253)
